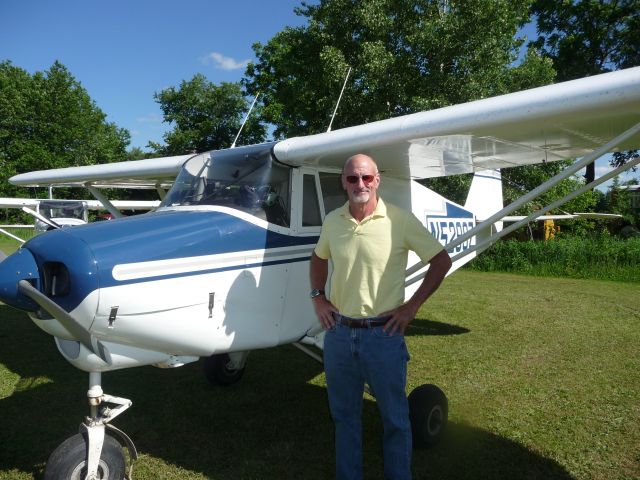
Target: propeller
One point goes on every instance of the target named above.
(71, 324)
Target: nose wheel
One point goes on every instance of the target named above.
(96, 452)
(69, 460)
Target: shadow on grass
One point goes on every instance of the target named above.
(431, 327)
(273, 424)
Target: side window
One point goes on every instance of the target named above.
(333, 194)
(310, 205)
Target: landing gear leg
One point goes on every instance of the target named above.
(225, 368)
(94, 454)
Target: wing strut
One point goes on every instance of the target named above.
(104, 201)
(566, 173)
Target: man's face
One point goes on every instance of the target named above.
(361, 180)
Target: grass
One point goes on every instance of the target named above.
(597, 258)
(9, 245)
(542, 375)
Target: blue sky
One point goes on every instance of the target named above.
(123, 51)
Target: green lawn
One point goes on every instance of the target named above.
(542, 375)
(8, 245)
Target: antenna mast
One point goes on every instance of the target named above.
(233, 145)
(339, 98)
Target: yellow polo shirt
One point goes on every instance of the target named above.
(370, 257)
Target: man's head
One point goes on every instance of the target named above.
(360, 179)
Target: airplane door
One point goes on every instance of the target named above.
(307, 214)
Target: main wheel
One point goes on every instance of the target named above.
(428, 411)
(218, 370)
(68, 461)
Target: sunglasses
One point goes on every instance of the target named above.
(366, 179)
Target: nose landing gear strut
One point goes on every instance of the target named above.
(96, 452)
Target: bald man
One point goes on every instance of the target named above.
(365, 318)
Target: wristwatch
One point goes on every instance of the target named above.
(316, 293)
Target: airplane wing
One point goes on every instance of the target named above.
(91, 204)
(132, 174)
(549, 123)
(554, 122)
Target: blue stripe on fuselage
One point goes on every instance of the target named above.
(153, 237)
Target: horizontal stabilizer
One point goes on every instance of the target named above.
(566, 216)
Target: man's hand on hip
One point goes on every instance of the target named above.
(400, 319)
(324, 311)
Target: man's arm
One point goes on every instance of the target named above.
(438, 268)
(319, 270)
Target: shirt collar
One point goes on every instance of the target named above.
(379, 211)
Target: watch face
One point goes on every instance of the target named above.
(316, 293)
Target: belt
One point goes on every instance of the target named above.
(368, 322)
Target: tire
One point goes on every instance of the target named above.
(428, 412)
(217, 372)
(68, 461)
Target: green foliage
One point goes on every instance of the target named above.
(618, 200)
(407, 56)
(601, 257)
(519, 180)
(205, 117)
(584, 37)
(47, 120)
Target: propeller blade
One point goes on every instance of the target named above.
(70, 323)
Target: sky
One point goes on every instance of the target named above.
(124, 51)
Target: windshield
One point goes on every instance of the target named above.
(243, 178)
(62, 209)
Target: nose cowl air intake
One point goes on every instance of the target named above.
(19, 266)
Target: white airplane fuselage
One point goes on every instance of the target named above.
(190, 281)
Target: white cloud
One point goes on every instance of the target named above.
(604, 168)
(223, 62)
(150, 118)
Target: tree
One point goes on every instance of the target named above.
(524, 179)
(47, 120)
(588, 37)
(406, 56)
(205, 117)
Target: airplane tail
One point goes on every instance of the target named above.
(485, 196)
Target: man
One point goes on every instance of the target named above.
(368, 241)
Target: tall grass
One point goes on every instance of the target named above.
(600, 258)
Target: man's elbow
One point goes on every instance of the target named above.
(442, 262)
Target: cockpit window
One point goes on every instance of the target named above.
(63, 209)
(244, 179)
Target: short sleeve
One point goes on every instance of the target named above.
(420, 240)
(322, 249)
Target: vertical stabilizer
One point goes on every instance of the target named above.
(485, 195)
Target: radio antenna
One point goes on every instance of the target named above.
(233, 145)
(339, 98)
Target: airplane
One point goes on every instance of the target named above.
(221, 267)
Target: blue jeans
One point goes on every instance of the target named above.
(353, 356)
